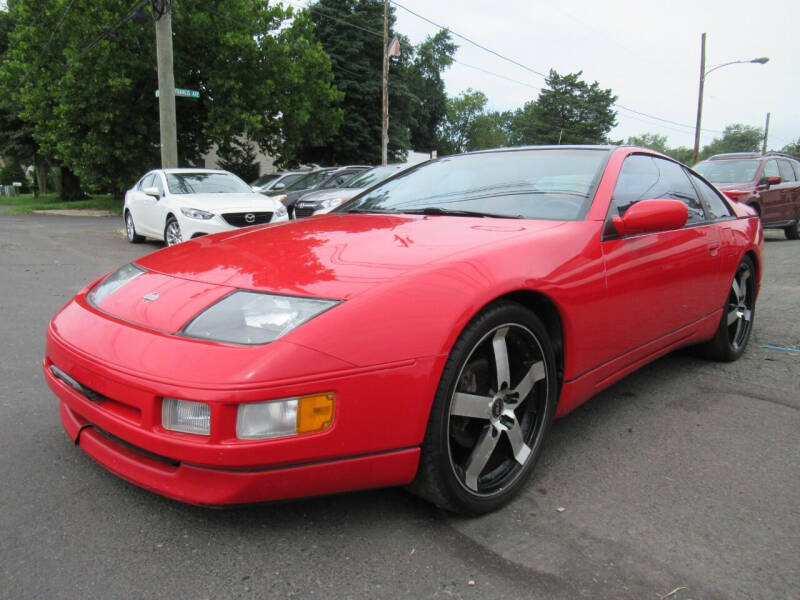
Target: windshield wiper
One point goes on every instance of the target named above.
(436, 211)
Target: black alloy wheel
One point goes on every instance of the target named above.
(492, 409)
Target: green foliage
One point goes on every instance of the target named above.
(653, 141)
(12, 172)
(239, 157)
(568, 111)
(736, 138)
(356, 57)
(351, 33)
(793, 148)
(84, 78)
(431, 58)
(468, 126)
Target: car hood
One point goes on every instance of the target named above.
(250, 202)
(333, 256)
(321, 195)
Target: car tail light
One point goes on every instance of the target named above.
(735, 194)
(281, 418)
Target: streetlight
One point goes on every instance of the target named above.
(703, 74)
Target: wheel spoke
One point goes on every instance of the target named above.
(518, 445)
(480, 456)
(733, 316)
(743, 284)
(737, 290)
(534, 374)
(747, 314)
(470, 405)
(501, 358)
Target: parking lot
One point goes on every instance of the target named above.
(681, 478)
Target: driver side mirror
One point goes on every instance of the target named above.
(152, 191)
(647, 216)
(771, 180)
(278, 186)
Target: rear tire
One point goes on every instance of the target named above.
(491, 412)
(736, 323)
(793, 231)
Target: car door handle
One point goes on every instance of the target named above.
(713, 249)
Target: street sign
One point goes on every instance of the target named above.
(184, 93)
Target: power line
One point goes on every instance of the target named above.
(527, 68)
(107, 31)
(473, 42)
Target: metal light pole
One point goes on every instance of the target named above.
(162, 13)
(703, 75)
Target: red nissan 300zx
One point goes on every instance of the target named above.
(424, 334)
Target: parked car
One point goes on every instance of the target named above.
(322, 179)
(324, 201)
(769, 183)
(425, 333)
(275, 183)
(174, 205)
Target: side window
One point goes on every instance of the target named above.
(145, 182)
(771, 169)
(716, 207)
(786, 170)
(647, 177)
(796, 167)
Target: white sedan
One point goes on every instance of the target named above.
(180, 204)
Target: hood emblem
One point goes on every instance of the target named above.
(250, 218)
(151, 297)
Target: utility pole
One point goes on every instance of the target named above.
(385, 114)
(162, 13)
(700, 98)
(766, 135)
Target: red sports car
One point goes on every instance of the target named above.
(424, 334)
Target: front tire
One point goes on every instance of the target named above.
(172, 232)
(493, 406)
(130, 230)
(736, 324)
(793, 231)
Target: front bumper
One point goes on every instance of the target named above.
(380, 419)
(191, 228)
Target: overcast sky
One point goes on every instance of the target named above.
(647, 52)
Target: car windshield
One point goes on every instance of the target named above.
(308, 181)
(264, 180)
(371, 177)
(728, 171)
(206, 183)
(530, 184)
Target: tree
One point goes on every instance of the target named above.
(793, 148)
(653, 141)
(431, 58)
(239, 157)
(568, 111)
(735, 138)
(350, 31)
(489, 130)
(83, 75)
(460, 116)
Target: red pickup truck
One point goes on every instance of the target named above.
(770, 183)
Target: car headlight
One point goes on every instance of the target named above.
(289, 416)
(330, 204)
(196, 213)
(113, 282)
(254, 317)
(280, 212)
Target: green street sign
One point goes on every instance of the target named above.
(184, 93)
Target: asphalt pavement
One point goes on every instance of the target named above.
(682, 479)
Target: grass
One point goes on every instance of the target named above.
(26, 203)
